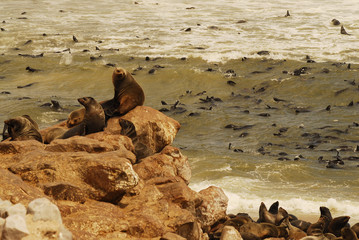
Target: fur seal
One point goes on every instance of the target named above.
(128, 95)
(93, 121)
(21, 128)
(263, 230)
(273, 215)
(348, 234)
(343, 31)
(75, 117)
(337, 224)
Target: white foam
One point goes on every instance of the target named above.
(248, 200)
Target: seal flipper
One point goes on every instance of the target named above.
(274, 208)
(128, 129)
(78, 130)
(5, 132)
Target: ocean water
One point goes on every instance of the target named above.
(205, 55)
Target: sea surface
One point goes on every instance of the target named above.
(260, 96)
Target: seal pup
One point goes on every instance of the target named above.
(75, 117)
(94, 119)
(21, 128)
(355, 228)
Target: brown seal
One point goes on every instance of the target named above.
(21, 128)
(263, 230)
(336, 224)
(75, 118)
(274, 215)
(93, 121)
(348, 234)
(128, 95)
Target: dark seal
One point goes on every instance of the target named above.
(21, 128)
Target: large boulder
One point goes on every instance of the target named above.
(106, 177)
(154, 130)
(168, 163)
(213, 207)
(14, 189)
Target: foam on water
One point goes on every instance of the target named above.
(245, 200)
(213, 26)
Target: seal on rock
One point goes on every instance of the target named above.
(128, 94)
(75, 118)
(93, 121)
(21, 128)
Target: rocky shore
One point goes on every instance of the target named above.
(107, 186)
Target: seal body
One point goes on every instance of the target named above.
(93, 121)
(128, 94)
(21, 128)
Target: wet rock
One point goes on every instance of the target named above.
(213, 207)
(168, 163)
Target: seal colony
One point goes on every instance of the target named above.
(90, 119)
(278, 223)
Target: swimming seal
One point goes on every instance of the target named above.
(94, 119)
(21, 128)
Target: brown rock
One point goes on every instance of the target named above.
(15, 190)
(191, 231)
(172, 236)
(179, 193)
(94, 220)
(79, 144)
(102, 177)
(8, 149)
(213, 207)
(169, 163)
(64, 191)
(154, 130)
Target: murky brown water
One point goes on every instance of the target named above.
(276, 115)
